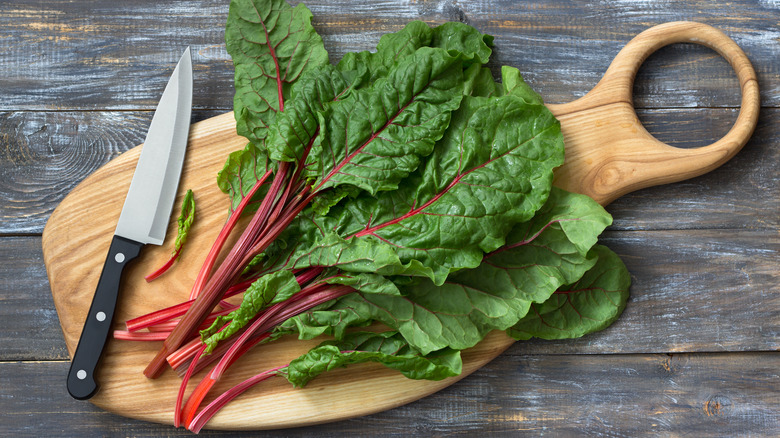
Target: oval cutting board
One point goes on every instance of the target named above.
(608, 153)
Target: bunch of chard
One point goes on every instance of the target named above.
(402, 186)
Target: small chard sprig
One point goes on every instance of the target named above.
(184, 222)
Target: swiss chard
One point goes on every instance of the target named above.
(492, 169)
(184, 223)
(402, 186)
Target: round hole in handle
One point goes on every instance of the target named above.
(676, 106)
(609, 152)
(623, 70)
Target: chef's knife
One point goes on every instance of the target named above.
(144, 219)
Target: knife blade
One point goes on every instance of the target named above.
(143, 220)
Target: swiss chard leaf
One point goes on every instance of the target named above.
(318, 321)
(267, 290)
(272, 44)
(590, 304)
(388, 348)
(363, 68)
(279, 286)
(291, 136)
(457, 38)
(185, 220)
(374, 137)
(513, 83)
(541, 254)
(478, 81)
(492, 169)
(241, 172)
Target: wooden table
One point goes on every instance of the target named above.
(695, 352)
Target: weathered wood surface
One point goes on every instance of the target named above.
(517, 394)
(79, 56)
(713, 239)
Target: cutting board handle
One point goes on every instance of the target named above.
(608, 151)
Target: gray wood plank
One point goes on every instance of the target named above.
(118, 55)
(516, 394)
(45, 154)
(692, 291)
(29, 326)
(744, 193)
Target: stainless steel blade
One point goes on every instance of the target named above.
(149, 200)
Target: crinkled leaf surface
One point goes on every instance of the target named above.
(363, 68)
(492, 170)
(388, 348)
(478, 81)
(513, 83)
(374, 137)
(457, 38)
(267, 290)
(290, 136)
(541, 254)
(241, 172)
(318, 321)
(590, 304)
(185, 220)
(271, 44)
(295, 128)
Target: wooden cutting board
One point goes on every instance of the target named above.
(608, 153)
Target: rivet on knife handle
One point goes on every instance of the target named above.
(81, 377)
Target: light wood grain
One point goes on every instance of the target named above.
(83, 225)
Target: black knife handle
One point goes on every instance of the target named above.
(81, 377)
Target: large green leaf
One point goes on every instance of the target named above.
(513, 83)
(492, 170)
(542, 254)
(388, 348)
(590, 304)
(272, 44)
(375, 136)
